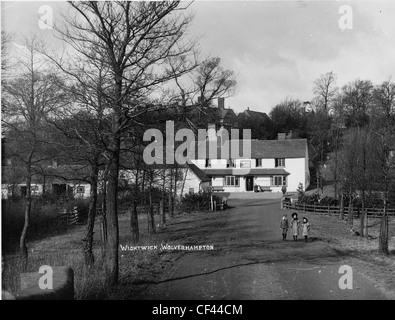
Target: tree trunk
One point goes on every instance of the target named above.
(162, 214)
(28, 206)
(350, 218)
(335, 173)
(342, 207)
(383, 238)
(111, 264)
(134, 223)
(170, 205)
(151, 221)
(365, 224)
(362, 217)
(88, 252)
(104, 210)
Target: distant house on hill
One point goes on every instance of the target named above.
(255, 115)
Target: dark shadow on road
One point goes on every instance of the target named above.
(322, 257)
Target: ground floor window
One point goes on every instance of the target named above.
(80, 189)
(278, 180)
(232, 181)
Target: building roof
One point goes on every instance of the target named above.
(254, 114)
(244, 172)
(288, 148)
(199, 173)
(261, 149)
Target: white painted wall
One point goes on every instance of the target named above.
(217, 181)
(262, 181)
(191, 181)
(297, 169)
(84, 195)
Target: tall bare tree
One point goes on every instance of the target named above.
(325, 90)
(31, 96)
(133, 40)
(357, 102)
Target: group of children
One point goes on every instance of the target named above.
(295, 226)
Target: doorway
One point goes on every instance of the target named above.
(249, 183)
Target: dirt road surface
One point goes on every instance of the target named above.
(250, 261)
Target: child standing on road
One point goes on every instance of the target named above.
(284, 225)
(305, 228)
(295, 224)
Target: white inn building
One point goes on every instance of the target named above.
(272, 165)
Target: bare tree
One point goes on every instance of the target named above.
(133, 40)
(5, 64)
(384, 98)
(31, 96)
(384, 177)
(357, 102)
(325, 90)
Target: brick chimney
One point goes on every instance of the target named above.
(211, 132)
(221, 103)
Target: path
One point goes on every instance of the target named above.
(250, 261)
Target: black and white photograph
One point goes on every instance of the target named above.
(197, 155)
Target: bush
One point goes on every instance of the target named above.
(309, 199)
(196, 201)
(329, 201)
(44, 221)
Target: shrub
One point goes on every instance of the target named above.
(309, 199)
(196, 201)
(44, 221)
(329, 201)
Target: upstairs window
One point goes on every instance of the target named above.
(208, 163)
(258, 162)
(279, 162)
(231, 164)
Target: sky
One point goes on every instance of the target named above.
(276, 48)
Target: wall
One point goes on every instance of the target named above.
(191, 181)
(296, 168)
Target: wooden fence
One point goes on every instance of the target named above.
(72, 217)
(335, 210)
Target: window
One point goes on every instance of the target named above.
(280, 162)
(34, 190)
(231, 164)
(245, 164)
(258, 162)
(80, 189)
(278, 180)
(208, 163)
(232, 181)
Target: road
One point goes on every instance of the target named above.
(250, 261)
